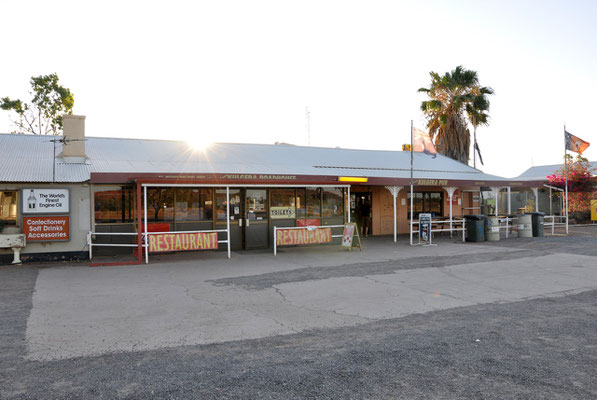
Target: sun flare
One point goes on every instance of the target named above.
(198, 144)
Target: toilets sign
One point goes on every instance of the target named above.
(45, 201)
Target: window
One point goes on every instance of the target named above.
(333, 202)
(114, 204)
(427, 202)
(256, 204)
(194, 204)
(282, 204)
(8, 207)
(235, 204)
(308, 203)
(160, 204)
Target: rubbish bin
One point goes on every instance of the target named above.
(525, 229)
(537, 219)
(475, 228)
(492, 229)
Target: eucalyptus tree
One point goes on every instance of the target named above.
(43, 114)
(456, 99)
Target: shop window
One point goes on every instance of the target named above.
(427, 202)
(114, 204)
(308, 203)
(160, 204)
(333, 202)
(235, 204)
(282, 203)
(8, 207)
(194, 204)
(256, 204)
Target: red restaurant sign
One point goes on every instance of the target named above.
(288, 237)
(46, 229)
(183, 241)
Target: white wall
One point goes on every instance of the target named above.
(80, 219)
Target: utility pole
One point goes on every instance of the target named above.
(308, 116)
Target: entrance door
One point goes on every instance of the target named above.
(358, 203)
(255, 219)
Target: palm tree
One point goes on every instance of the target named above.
(455, 100)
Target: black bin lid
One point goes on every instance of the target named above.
(477, 217)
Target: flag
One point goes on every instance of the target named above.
(575, 144)
(479, 153)
(422, 143)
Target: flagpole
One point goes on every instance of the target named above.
(566, 175)
(411, 182)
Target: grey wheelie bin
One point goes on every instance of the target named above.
(538, 220)
(475, 228)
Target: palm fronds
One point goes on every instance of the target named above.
(455, 100)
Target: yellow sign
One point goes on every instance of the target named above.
(593, 210)
(360, 179)
(289, 237)
(432, 182)
(182, 241)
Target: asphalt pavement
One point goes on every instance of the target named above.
(513, 319)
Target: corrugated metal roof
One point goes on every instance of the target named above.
(541, 172)
(28, 158)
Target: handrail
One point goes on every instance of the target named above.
(144, 241)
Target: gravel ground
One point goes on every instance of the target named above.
(545, 348)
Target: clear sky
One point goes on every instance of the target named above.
(244, 71)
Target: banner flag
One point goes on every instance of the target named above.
(575, 144)
(422, 143)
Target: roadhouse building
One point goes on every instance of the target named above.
(66, 192)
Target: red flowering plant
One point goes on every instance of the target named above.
(580, 183)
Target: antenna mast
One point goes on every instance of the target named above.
(308, 116)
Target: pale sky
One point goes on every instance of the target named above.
(244, 71)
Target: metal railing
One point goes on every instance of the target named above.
(553, 222)
(91, 235)
(91, 245)
(449, 222)
(312, 227)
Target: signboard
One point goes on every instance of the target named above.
(46, 229)
(593, 210)
(350, 231)
(308, 222)
(282, 212)
(308, 235)
(45, 201)
(347, 235)
(164, 242)
(425, 228)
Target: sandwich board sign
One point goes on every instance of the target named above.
(348, 236)
(425, 228)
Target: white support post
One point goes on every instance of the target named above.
(463, 229)
(509, 201)
(90, 244)
(536, 193)
(145, 224)
(394, 190)
(495, 191)
(275, 240)
(348, 205)
(550, 203)
(450, 191)
(228, 219)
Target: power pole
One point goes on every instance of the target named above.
(308, 116)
